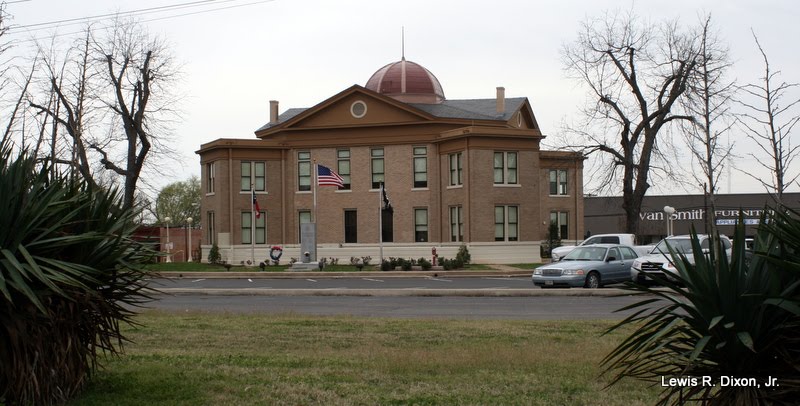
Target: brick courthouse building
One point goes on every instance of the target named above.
(456, 172)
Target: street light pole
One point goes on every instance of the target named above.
(189, 230)
(167, 219)
(669, 211)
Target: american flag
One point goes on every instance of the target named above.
(255, 205)
(327, 177)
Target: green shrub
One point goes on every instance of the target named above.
(463, 256)
(552, 241)
(722, 319)
(70, 274)
(213, 254)
(447, 264)
(386, 266)
(424, 264)
(405, 264)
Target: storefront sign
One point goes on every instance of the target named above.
(723, 217)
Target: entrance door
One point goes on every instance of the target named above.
(388, 229)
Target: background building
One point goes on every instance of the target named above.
(605, 214)
(456, 172)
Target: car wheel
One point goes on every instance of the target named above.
(592, 281)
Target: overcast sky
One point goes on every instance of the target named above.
(300, 52)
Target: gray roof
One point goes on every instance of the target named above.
(468, 109)
(472, 109)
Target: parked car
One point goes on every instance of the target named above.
(556, 254)
(589, 266)
(660, 257)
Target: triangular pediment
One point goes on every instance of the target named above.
(353, 107)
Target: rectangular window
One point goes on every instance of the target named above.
(455, 169)
(506, 222)
(261, 228)
(304, 171)
(343, 167)
(421, 225)
(420, 167)
(254, 174)
(350, 226)
(377, 167)
(505, 168)
(210, 175)
(247, 228)
(559, 218)
(456, 224)
(246, 175)
(303, 217)
(211, 236)
(558, 182)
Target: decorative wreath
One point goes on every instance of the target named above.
(275, 252)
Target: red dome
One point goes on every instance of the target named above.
(408, 82)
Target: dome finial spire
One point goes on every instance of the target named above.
(403, 42)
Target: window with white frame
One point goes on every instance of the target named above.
(559, 218)
(421, 225)
(260, 225)
(420, 167)
(558, 182)
(506, 223)
(456, 224)
(505, 168)
(211, 236)
(210, 177)
(377, 167)
(343, 167)
(455, 169)
(254, 175)
(304, 171)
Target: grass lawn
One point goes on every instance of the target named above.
(233, 359)
(527, 267)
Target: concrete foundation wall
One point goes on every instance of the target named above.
(481, 253)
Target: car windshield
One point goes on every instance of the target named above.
(683, 245)
(586, 254)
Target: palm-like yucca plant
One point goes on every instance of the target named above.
(70, 273)
(725, 320)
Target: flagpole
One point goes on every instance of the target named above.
(314, 218)
(316, 181)
(380, 221)
(252, 224)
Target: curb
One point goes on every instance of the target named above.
(607, 292)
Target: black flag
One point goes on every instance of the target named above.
(386, 204)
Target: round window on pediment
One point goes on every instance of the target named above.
(519, 119)
(358, 109)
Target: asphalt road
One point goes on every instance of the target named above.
(448, 307)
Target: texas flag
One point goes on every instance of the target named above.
(255, 205)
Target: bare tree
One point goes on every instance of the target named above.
(769, 122)
(121, 77)
(636, 73)
(709, 97)
(69, 83)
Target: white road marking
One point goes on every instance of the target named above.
(249, 280)
(373, 280)
(440, 280)
(198, 280)
(311, 280)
